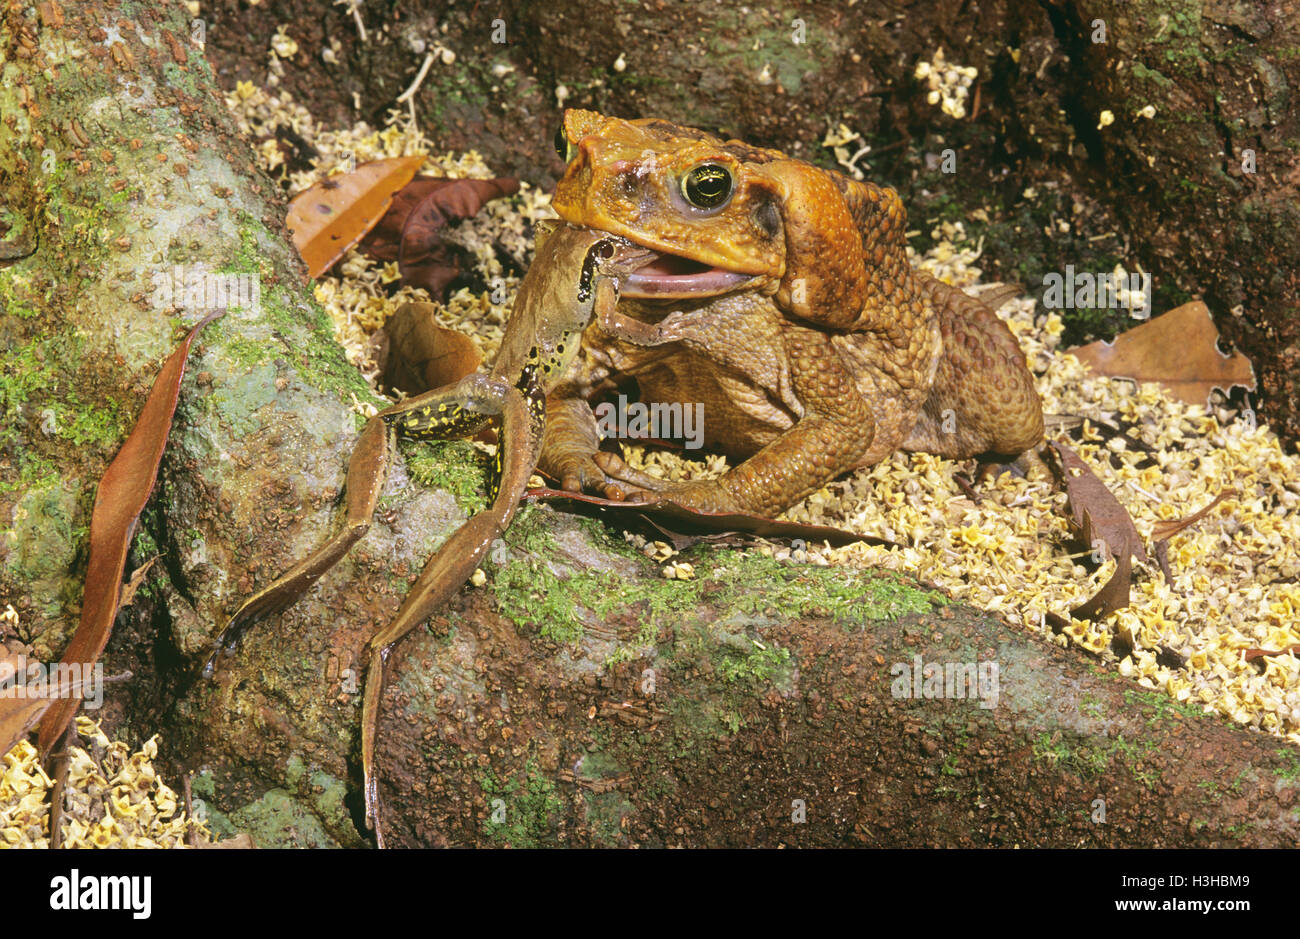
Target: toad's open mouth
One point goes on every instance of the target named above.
(670, 275)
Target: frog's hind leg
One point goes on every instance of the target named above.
(523, 416)
(458, 410)
(982, 402)
(367, 470)
(462, 408)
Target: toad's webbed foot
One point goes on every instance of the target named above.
(708, 496)
(572, 449)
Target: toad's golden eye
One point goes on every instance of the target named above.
(707, 186)
(562, 145)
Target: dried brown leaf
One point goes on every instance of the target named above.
(1114, 594)
(1253, 654)
(423, 355)
(1178, 349)
(337, 212)
(121, 497)
(1102, 521)
(676, 521)
(410, 232)
(1162, 531)
(18, 715)
(137, 578)
(1104, 525)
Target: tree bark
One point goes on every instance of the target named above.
(577, 699)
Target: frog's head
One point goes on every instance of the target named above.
(575, 269)
(723, 215)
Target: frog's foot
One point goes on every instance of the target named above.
(698, 495)
(367, 470)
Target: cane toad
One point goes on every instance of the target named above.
(783, 301)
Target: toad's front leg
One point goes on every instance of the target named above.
(835, 431)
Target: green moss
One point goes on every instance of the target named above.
(29, 369)
(1291, 770)
(248, 258)
(520, 809)
(452, 465)
(44, 537)
(102, 425)
(287, 310)
(16, 295)
(243, 352)
(279, 820)
(605, 812)
(1140, 72)
(532, 594)
(34, 471)
(848, 598)
(758, 665)
(1165, 707)
(1090, 761)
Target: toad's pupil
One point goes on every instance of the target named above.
(708, 186)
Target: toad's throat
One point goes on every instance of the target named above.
(670, 275)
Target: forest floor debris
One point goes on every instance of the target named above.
(1236, 572)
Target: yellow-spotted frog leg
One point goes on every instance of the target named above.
(576, 274)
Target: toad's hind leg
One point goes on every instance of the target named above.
(983, 401)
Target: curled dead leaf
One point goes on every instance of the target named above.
(1178, 349)
(423, 355)
(411, 231)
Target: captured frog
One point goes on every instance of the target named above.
(781, 299)
(574, 277)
